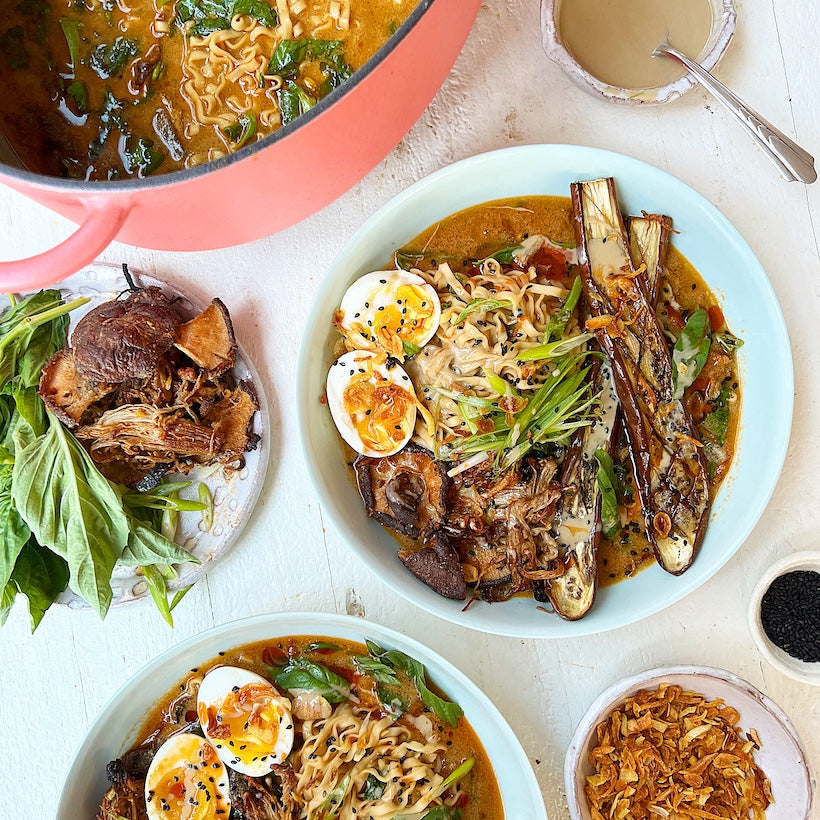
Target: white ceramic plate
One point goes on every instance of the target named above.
(234, 494)
(116, 728)
(781, 757)
(724, 260)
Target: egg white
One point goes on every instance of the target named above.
(181, 757)
(342, 371)
(367, 302)
(213, 690)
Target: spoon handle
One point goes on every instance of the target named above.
(791, 160)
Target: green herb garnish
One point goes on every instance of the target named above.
(690, 352)
(608, 485)
(303, 675)
(109, 60)
(446, 710)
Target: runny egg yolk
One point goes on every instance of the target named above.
(392, 311)
(407, 319)
(249, 727)
(381, 411)
(187, 781)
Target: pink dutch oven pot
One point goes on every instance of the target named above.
(265, 187)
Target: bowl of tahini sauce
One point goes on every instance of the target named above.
(605, 46)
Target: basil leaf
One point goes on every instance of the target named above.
(30, 332)
(71, 507)
(139, 156)
(481, 304)
(293, 100)
(373, 788)
(444, 709)
(303, 675)
(79, 92)
(393, 703)
(14, 533)
(109, 60)
(12, 47)
(690, 352)
(262, 12)
(41, 576)
(717, 422)
(728, 341)
(7, 601)
(608, 485)
(216, 15)
(147, 546)
(242, 130)
(373, 668)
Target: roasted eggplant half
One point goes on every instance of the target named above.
(672, 481)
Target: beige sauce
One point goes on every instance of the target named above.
(613, 39)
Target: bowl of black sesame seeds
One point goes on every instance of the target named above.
(784, 616)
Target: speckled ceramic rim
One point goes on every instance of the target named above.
(209, 548)
(723, 28)
(607, 700)
(726, 263)
(117, 725)
(780, 660)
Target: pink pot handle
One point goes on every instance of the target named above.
(103, 220)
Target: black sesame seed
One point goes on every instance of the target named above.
(790, 614)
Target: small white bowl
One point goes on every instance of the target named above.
(781, 757)
(723, 27)
(780, 660)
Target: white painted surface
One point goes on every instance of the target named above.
(502, 91)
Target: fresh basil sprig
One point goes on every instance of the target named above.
(690, 352)
(446, 710)
(303, 675)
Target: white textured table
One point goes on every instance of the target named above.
(502, 91)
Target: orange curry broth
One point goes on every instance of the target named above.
(178, 706)
(476, 232)
(53, 133)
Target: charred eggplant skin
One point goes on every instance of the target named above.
(573, 593)
(672, 482)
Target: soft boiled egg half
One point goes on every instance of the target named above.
(246, 718)
(187, 781)
(372, 402)
(391, 310)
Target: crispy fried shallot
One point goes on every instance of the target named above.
(669, 753)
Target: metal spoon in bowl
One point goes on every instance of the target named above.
(791, 160)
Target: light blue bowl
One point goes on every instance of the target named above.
(117, 726)
(710, 243)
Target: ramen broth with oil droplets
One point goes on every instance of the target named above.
(512, 325)
(370, 735)
(101, 90)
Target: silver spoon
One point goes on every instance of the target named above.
(791, 160)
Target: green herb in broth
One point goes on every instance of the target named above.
(109, 60)
(216, 15)
(94, 74)
(12, 48)
(608, 485)
(302, 674)
(690, 352)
